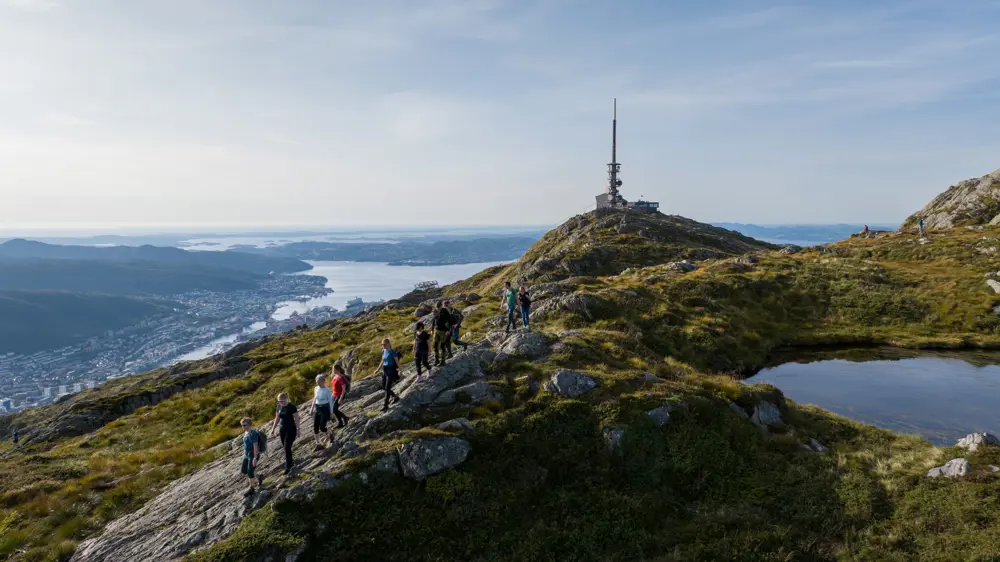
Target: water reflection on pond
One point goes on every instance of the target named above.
(941, 396)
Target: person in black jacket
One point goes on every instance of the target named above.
(286, 419)
(442, 331)
(524, 302)
(422, 351)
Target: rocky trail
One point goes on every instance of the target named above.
(206, 506)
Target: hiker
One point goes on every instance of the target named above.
(251, 454)
(510, 298)
(524, 302)
(287, 415)
(321, 407)
(390, 372)
(17, 435)
(920, 226)
(865, 231)
(442, 331)
(422, 351)
(340, 384)
(456, 326)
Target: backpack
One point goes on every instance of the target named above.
(525, 299)
(261, 442)
(456, 318)
(347, 384)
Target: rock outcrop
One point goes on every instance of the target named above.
(766, 414)
(570, 384)
(427, 457)
(954, 468)
(660, 416)
(968, 203)
(974, 441)
(525, 344)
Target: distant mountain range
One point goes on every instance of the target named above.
(801, 234)
(438, 252)
(239, 261)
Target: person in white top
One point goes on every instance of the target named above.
(321, 406)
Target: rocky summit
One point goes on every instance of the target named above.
(614, 429)
(973, 202)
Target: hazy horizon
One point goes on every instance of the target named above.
(461, 112)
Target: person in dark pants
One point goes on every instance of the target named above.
(442, 331)
(456, 326)
(390, 372)
(17, 435)
(321, 407)
(524, 302)
(287, 419)
(422, 351)
(339, 384)
(510, 299)
(251, 453)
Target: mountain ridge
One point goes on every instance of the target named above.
(604, 432)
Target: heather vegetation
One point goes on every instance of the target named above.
(541, 482)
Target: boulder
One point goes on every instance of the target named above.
(738, 410)
(993, 468)
(660, 415)
(388, 463)
(951, 469)
(469, 310)
(525, 344)
(574, 303)
(790, 249)
(684, 266)
(570, 384)
(766, 414)
(973, 441)
(427, 457)
(613, 438)
(457, 424)
(475, 393)
(818, 447)
(995, 285)
(649, 378)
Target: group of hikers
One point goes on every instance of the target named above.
(325, 405)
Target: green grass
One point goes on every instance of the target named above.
(540, 483)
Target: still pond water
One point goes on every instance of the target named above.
(941, 397)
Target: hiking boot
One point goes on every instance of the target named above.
(260, 481)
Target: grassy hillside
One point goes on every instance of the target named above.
(34, 320)
(540, 483)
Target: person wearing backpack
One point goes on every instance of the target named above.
(390, 372)
(456, 327)
(287, 415)
(341, 384)
(254, 444)
(510, 299)
(422, 351)
(524, 302)
(321, 407)
(442, 333)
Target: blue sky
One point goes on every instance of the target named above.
(404, 112)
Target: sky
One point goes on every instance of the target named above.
(261, 114)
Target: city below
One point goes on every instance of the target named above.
(202, 323)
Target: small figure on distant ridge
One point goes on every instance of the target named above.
(390, 372)
(456, 327)
(321, 409)
(422, 351)
(524, 302)
(340, 384)
(920, 226)
(442, 333)
(252, 448)
(286, 418)
(510, 300)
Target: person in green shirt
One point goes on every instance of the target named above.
(510, 298)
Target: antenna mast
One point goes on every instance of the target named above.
(614, 168)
